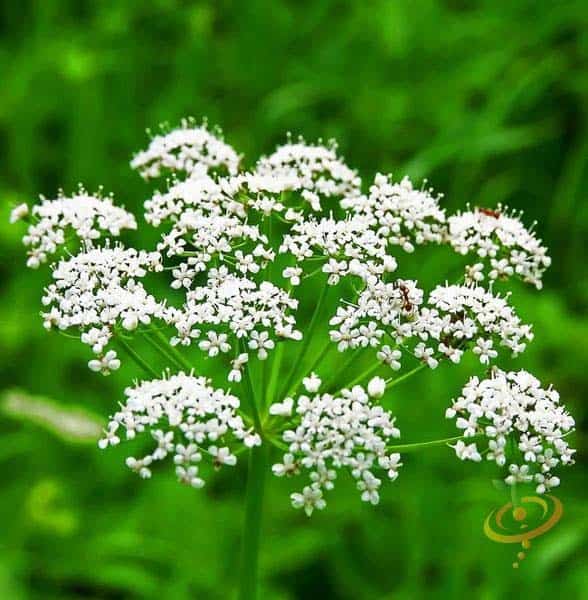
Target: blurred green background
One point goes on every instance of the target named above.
(487, 99)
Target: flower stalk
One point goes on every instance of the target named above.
(250, 543)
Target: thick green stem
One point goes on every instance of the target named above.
(258, 464)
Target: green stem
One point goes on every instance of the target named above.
(390, 383)
(275, 372)
(127, 348)
(363, 375)
(329, 345)
(431, 444)
(514, 496)
(162, 350)
(172, 350)
(330, 386)
(252, 399)
(256, 476)
(306, 341)
(315, 363)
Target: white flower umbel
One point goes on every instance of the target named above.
(334, 432)
(81, 217)
(199, 193)
(454, 319)
(501, 242)
(229, 309)
(382, 309)
(322, 174)
(523, 426)
(345, 246)
(189, 420)
(460, 315)
(239, 252)
(190, 149)
(403, 215)
(200, 239)
(98, 290)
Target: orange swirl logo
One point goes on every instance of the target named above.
(532, 517)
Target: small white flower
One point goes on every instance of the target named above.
(312, 383)
(262, 343)
(222, 456)
(140, 466)
(376, 387)
(369, 486)
(282, 409)
(483, 349)
(187, 454)
(189, 476)
(18, 213)
(309, 499)
(110, 437)
(215, 343)
(289, 466)
(293, 274)
(426, 355)
(235, 374)
(518, 474)
(545, 483)
(390, 357)
(467, 451)
(105, 364)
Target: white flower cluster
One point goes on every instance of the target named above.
(333, 432)
(83, 216)
(98, 289)
(401, 214)
(524, 424)
(460, 314)
(231, 195)
(190, 149)
(501, 241)
(237, 244)
(322, 174)
(229, 308)
(201, 193)
(187, 418)
(202, 239)
(382, 309)
(350, 246)
(455, 318)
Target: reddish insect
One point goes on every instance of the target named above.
(489, 212)
(406, 303)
